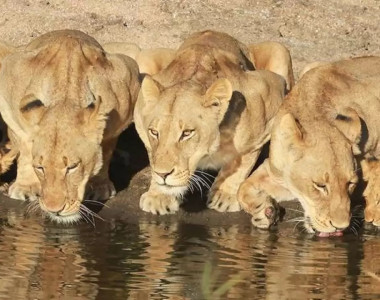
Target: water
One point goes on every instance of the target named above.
(155, 259)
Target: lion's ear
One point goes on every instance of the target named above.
(287, 141)
(5, 50)
(348, 122)
(150, 89)
(219, 93)
(218, 97)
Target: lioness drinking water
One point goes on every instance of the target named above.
(65, 101)
(330, 118)
(208, 109)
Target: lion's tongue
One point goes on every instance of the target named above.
(328, 234)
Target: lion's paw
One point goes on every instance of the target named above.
(29, 192)
(223, 202)
(266, 214)
(100, 191)
(159, 204)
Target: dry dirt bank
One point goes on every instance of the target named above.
(313, 30)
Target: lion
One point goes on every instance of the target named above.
(65, 102)
(320, 132)
(271, 56)
(208, 109)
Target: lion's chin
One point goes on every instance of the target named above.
(67, 220)
(177, 191)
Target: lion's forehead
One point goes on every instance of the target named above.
(63, 54)
(53, 75)
(171, 123)
(181, 109)
(337, 162)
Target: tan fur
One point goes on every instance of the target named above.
(310, 66)
(318, 131)
(150, 61)
(274, 57)
(371, 173)
(129, 49)
(271, 56)
(65, 101)
(187, 120)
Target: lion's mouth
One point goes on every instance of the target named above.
(310, 229)
(178, 190)
(65, 219)
(328, 234)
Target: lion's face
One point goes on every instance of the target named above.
(64, 96)
(319, 170)
(371, 172)
(64, 163)
(179, 126)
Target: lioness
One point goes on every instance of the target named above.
(206, 109)
(65, 101)
(272, 56)
(329, 117)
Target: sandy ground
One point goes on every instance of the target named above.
(313, 30)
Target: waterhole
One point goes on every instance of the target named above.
(180, 257)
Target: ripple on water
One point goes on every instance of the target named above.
(158, 260)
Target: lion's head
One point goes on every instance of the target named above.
(317, 165)
(179, 126)
(63, 96)
(64, 158)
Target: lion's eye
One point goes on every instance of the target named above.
(321, 187)
(39, 169)
(72, 167)
(186, 134)
(153, 133)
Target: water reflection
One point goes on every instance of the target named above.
(158, 260)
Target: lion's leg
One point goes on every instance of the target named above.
(100, 187)
(257, 196)
(223, 193)
(27, 186)
(158, 203)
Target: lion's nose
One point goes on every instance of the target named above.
(341, 227)
(164, 175)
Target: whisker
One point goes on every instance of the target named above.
(83, 216)
(86, 216)
(32, 207)
(199, 187)
(95, 202)
(206, 179)
(191, 187)
(205, 173)
(90, 212)
(296, 210)
(299, 219)
(202, 181)
(295, 226)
